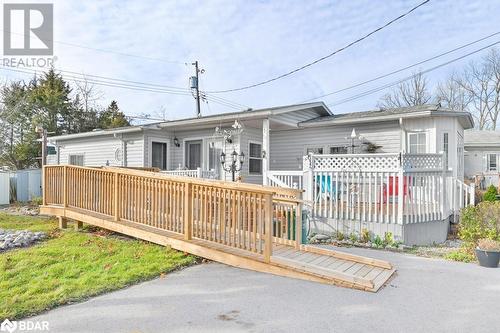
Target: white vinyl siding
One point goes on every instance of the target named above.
(289, 146)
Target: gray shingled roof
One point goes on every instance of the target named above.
(381, 112)
(481, 138)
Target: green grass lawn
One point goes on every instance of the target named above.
(71, 266)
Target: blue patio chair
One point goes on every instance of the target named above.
(325, 186)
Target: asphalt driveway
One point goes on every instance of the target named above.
(426, 295)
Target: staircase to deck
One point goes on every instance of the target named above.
(246, 226)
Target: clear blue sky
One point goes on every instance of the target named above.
(242, 42)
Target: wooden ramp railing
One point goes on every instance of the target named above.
(234, 223)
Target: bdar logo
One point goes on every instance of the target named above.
(28, 29)
(8, 326)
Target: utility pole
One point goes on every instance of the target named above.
(195, 84)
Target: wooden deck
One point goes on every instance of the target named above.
(245, 226)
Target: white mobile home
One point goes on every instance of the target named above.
(482, 157)
(281, 146)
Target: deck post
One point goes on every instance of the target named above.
(198, 173)
(116, 198)
(44, 185)
(63, 223)
(401, 193)
(65, 186)
(266, 146)
(298, 223)
(268, 227)
(188, 212)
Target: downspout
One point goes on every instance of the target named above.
(402, 148)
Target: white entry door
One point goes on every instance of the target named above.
(194, 154)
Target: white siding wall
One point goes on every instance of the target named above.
(288, 146)
(98, 150)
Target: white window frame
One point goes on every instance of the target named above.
(446, 148)
(337, 146)
(255, 158)
(488, 154)
(79, 155)
(426, 144)
(150, 149)
(314, 147)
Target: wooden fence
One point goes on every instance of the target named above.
(242, 216)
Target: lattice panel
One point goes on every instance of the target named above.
(422, 162)
(375, 162)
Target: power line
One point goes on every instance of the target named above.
(401, 69)
(101, 50)
(143, 87)
(371, 91)
(324, 57)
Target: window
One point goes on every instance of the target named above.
(76, 160)
(492, 162)
(417, 143)
(193, 154)
(446, 148)
(255, 158)
(159, 155)
(314, 150)
(338, 150)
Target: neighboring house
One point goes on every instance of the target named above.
(309, 146)
(482, 156)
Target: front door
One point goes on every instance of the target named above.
(193, 154)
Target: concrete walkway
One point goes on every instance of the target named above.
(426, 295)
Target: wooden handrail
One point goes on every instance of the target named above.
(245, 216)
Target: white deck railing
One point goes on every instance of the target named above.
(196, 173)
(288, 179)
(378, 188)
(463, 195)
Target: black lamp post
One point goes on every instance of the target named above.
(233, 167)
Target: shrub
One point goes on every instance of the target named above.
(365, 236)
(339, 235)
(481, 221)
(353, 237)
(388, 238)
(490, 194)
(378, 241)
(36, 201)
(488, 245)
(462, 254)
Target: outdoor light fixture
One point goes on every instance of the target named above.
(176, 142)
(233, 167)
(352, 138)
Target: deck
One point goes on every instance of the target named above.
(245, 226)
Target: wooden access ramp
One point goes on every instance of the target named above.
(246, 226)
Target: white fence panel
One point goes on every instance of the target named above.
(28, 184)
(4, 188)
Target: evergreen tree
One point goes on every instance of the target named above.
(112, 117)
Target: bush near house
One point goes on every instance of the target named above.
(490, 194)
(73, 265)
(477, 222)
